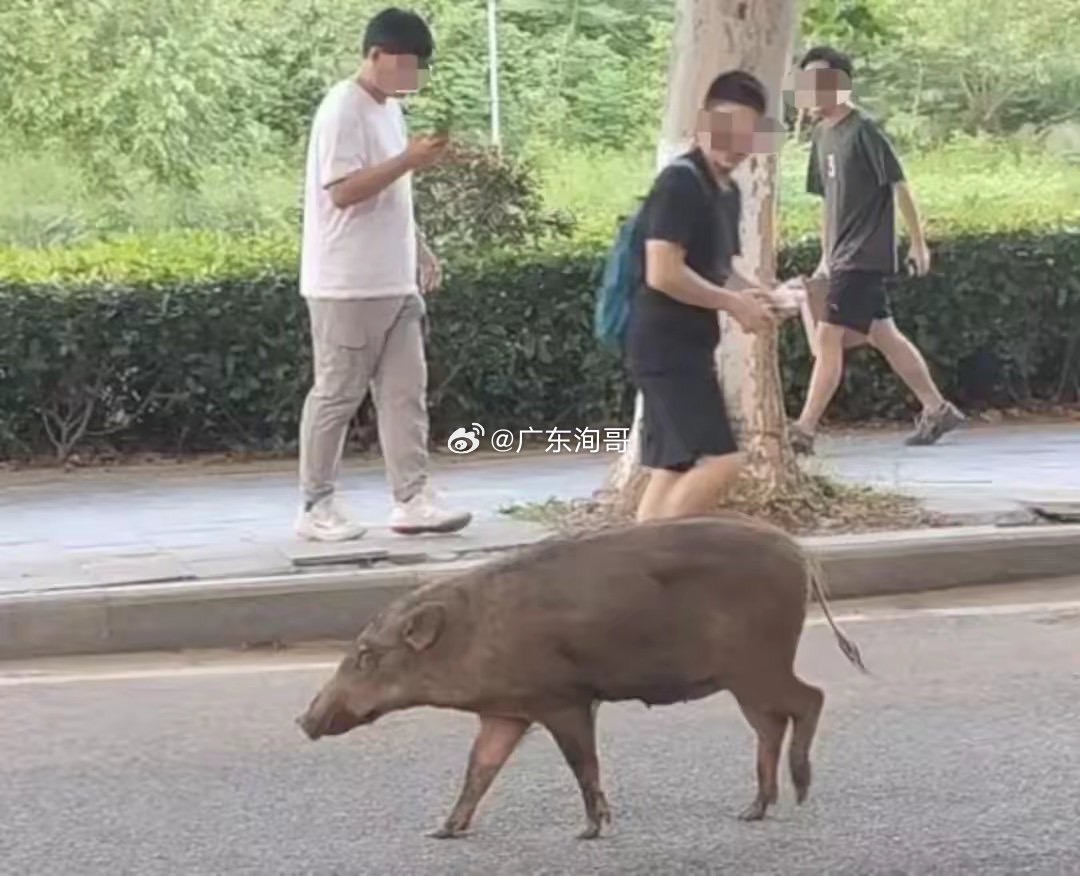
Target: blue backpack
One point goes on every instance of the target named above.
(621, 278)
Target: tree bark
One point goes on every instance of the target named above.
(712, 36)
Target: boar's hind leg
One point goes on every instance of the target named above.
(807, 703)
(770, 728)
(496, 741)
(575, 732)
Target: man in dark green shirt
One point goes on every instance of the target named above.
(854, 168)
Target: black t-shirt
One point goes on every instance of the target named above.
(694, 211)
(853, 166)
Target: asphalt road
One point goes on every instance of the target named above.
(961, 755)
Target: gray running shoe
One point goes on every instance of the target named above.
(929, 428)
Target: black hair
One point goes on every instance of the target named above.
(836, 60)
(398, 32)
(738, 86)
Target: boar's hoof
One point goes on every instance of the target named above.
(755, 811)
(448, 831)
(600, 816)
(590, 833)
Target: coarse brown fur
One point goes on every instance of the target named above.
(663, 612)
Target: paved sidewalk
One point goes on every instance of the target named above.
(90, 528)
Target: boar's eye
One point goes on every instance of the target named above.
(365, 660)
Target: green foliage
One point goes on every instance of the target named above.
(857, 26)
(95, 347)
(478, 199)
(130, 116)
(998, 319)
(147, 346)
(968, 185)
(976, 65)
(122, 84)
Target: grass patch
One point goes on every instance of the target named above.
(971, 183)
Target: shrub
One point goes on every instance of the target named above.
(114, 343)
(200, 343)
(477, 199)
(998, 319)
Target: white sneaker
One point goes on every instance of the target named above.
(423, 513)
(328, 520)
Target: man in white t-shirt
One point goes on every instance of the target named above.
(363, 268)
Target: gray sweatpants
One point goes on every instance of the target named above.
(375, 344)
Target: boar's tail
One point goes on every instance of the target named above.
(817, 584)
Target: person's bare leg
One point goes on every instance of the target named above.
(698, 491)
(907, 362)
(825, 378)
(656, 492)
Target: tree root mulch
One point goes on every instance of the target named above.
(815, 506)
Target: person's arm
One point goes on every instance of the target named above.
(920, 252)
(670, 221)
(666, 271)
(905, 199)
(344, 167)
(367, 182)
(890, 172)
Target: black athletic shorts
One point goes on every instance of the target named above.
(856, 299)
(683, 419)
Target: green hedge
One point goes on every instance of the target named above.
(94, 348)
(998, 319)
(201, 343)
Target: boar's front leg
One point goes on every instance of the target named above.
(496, 741)
(575, 732)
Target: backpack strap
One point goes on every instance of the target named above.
(683, 161)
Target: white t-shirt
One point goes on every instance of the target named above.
(367, 250)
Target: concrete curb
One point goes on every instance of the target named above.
(337, 604)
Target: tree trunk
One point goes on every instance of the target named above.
(712, 36)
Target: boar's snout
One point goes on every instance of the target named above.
(309, 725)
(329, 716)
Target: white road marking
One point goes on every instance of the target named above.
(29, 676)
(1061, 607)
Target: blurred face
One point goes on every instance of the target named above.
(728, 132)
(820, 89)
(396, 75)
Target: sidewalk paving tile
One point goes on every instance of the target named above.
(76, 529)
(49, 575)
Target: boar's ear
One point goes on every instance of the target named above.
(423, 625)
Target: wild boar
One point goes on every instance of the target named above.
(662, 612)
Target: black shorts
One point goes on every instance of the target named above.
(683, 419)
(856, 299)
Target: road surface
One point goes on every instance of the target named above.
(961, 755)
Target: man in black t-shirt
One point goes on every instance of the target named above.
(854, 168)
(690, 226)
